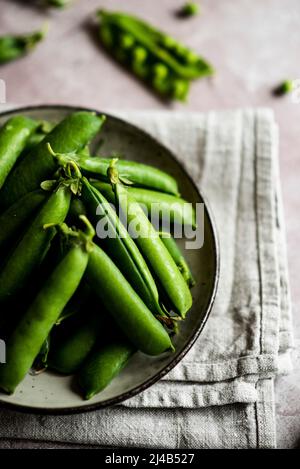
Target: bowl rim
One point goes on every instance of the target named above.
(156, 377)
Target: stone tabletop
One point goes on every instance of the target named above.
(253, 45)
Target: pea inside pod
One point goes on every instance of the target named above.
(152, 55)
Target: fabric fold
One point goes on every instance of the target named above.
(221, 395)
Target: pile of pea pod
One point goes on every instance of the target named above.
(72, 301)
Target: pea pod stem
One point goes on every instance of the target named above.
(138, 174)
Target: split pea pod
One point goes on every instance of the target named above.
(139, 174)
(178, 257)
(152, 247)
(30, 334)
(117, 242)
(70, 135)
(12, 221)
(158, 59)
(14, 136)
(157, 204)
(103, 365)
(130, 313)
(34, 244)
(13, 47)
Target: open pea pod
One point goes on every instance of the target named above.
(160, 60)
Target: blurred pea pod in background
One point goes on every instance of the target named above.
(13, 47)
(163, 63)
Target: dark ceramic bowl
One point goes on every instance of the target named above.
(50, 393)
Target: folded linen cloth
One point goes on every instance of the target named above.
(221, 394)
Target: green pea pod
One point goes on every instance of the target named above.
(14, 47)
(157, 204)
(70, 135)
(35, 242)
(121, 248)
(27, 339)
(14, 136)
(73, 344)
(103, 365)
(12, 221)
(179, 259)
(138, 173)
(152, 247)
(133, 317)
(181, 60)
(162, 62)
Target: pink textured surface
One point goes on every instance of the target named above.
(253, 45)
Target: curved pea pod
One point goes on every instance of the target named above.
(34, 244)
(70, 135)
(133, 317)
(13, 47)
(120, 247)
(13, 219)
(178, 257)
(30, 334)
(74, 344)
(14, 136)
(103, 365)
(152, 247)
(138, 173)
(157, 204)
